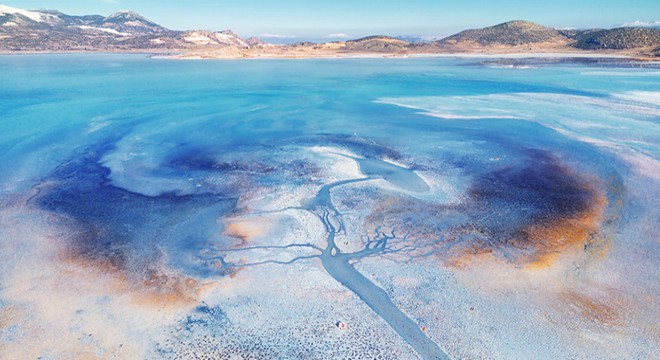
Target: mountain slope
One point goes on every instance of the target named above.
(50, 30)
(510, 33)
(619, 39)
(13, 18)
(210, 38)
(130, 22)
(8, 13)
(377, 44)
(42, 30)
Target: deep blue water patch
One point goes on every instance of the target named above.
(130, 230)
(537, 192)
(539, 187)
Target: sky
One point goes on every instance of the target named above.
(289, 20)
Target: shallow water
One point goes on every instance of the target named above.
(245, 208)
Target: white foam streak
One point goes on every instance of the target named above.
(648, 97)
(625, 123)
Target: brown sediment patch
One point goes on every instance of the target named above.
(467, 245)
(605, 310)
(161, 289)
(597, 247)
(7, 316)
(549, 240)
(153, 287)
(528, 214)
(403, 214)
(248, 229)
(553, 210)
(70, 306)
(468, 255)
(244, 230)
(535, 246)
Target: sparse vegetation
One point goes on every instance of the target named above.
(126, 31)
(509, 33)
(619, 39)
(377, 44)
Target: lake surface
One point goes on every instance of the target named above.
(331, 208)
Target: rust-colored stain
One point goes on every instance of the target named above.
(528, 216)
(605, 311)
(246, 230)
(7, 316)
(152, 287)
(551, 239)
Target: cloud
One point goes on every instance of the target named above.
(276, 36)
(336, 36)
(432, 37)
(643, 23)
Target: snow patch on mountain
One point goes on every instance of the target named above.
(107, 30)
(32, 15)
(225, 38)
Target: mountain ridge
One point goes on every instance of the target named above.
(619, 38)
(512, 33)
(50, 30)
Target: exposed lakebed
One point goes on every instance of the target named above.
(374, 208)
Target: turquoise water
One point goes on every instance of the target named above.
(143, 169)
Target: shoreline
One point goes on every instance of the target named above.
(181, 54)
(241, 54)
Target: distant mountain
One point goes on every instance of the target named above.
(210, 38)
(510, 33)
(537, 37)
(618, 39)
(51, 30)
(13, 18)
(41, 30)
(132, 23)
(255, 42)
(377, 44)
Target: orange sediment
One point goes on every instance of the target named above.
(154, 287)
(245, 230)
(551, 239)
(602, 311)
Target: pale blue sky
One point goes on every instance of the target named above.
(316, 19)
